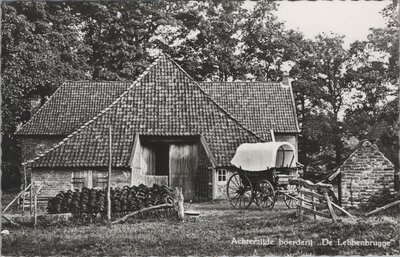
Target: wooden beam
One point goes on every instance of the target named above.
(208, 151)
(309, 202)
(35, 207)
(9, 220)
(342, 210)
(328, 201)
(156, 207)
(23, 191)
(308, 184)
(109, 178)
(311, 193)
(387, 206)
(322, 214)
(313, 207)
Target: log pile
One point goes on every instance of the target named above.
(127, 199)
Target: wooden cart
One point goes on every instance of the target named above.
(262, 175)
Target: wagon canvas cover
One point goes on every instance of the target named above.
(263, 156)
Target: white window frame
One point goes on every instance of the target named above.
(221, 173)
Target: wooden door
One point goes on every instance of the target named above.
(183, 162)
(148, 163)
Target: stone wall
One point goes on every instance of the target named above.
(365, 173)
(31, 146)
(62, 179)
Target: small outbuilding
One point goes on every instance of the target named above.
(364, 173)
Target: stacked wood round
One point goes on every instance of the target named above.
(122, 200)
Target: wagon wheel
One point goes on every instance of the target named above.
(239, 191)
(265, 195)
(293, 192)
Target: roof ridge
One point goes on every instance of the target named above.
(212, 100)
(99, 81)
(71, 135)
(336, 171)
(234, 82)
(40, 109)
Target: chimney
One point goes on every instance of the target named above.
(285, 80)
(35, 102)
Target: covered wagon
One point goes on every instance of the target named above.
(262, 173)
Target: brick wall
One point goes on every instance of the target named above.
(365, 173)
(31, 146)
(61, 179)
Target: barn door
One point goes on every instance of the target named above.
(183, 162)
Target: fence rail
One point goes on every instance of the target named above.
(312, 196)
(149, 180)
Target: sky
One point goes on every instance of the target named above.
(350, 18)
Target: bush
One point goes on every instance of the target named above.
(380, 199)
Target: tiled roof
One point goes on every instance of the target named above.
(261, 106)
(163, 101)
(71, 106)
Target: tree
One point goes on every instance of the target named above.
(320, 90)
(40, 50)
(267, 44)
(208, 40)
(121, 35)
(368, 74)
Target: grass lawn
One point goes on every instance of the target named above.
(214, 234)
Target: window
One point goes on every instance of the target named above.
(89, 179)
(99, 181)
(221, 175)
(78, 183)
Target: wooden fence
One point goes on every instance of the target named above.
(314, 199)
(149, 180)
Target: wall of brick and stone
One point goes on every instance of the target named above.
(31, 146)
(61, 179)
(364, 174)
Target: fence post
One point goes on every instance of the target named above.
(313, 207)
(299, 209)
(35, 207)
(179, 203)
(328, 201)
(30, 200)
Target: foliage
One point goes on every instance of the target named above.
(320, 97)
(121, 35)
(381, 199)
(45, 44)
(40, 50)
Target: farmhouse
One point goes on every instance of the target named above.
(364, 173)
(165, 128)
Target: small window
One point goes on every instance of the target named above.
(100, 182)
(78, 183)
(221, 175)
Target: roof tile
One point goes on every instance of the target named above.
(73, 104)
(163, 101)
(260, 106)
